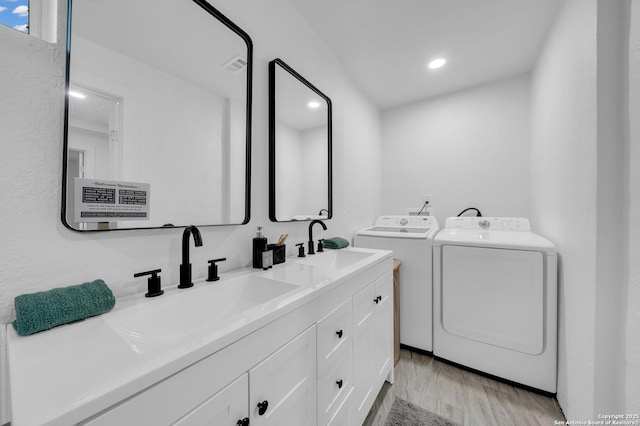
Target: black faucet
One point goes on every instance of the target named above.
(311, 250)
(185, 267)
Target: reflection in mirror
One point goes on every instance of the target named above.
(158, 116)
(299, 147)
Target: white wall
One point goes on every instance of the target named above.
(152, 150)
(611, 227)
(289, 172)
(314, 171)
(468, 148)
(631, 292)
(301, 171)
(38, 253)
(563, 166)
(577, 175)
(96, 148)
(357, 161)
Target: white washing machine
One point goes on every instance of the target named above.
(495, 299)
(410, 238)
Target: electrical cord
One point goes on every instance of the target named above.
(470, 208)
(425, 205)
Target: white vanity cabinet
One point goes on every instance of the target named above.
(373, 343)
(316, 356)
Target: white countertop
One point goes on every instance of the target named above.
(66, 374)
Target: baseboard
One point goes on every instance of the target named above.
(412, 349)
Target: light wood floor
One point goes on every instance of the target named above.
(461, 396)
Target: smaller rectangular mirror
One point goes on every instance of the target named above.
(299, 147)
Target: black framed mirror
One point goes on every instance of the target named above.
(300, 158)
(157, 116)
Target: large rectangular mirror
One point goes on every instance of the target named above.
(299, 147)
(158, 116)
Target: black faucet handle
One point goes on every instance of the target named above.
(153, 283)
(300, 250)
(213, 269)
(320, 245)
(142, 274)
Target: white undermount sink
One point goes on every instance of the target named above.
(205, 305)
(335, 259)
(210, 307)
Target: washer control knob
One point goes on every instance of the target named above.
(484, 224)
(403, 221)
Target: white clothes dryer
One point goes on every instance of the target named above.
(495, 299)
(410, 238)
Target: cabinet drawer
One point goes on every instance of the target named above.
(335, 384)
(371, 298)
(334, 330)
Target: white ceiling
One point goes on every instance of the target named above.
(386, 44)
(156, 40)
(292, 99)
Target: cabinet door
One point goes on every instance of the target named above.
(283, 387)
(364, 375)
(343, 414)
(335, 384)
(384, 327)
(225, 408)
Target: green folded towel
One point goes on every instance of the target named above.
(47, 309)
(335, 243)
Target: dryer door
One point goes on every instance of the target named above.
(494, 296)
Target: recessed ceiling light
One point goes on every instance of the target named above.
(77, 94)
(437, 63)
(313, 104)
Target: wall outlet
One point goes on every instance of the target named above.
(427, 198)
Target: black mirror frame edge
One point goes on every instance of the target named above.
(272, 139)
(233, 27)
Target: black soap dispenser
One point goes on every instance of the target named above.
(259, 246)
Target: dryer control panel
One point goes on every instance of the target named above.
(512, 224)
